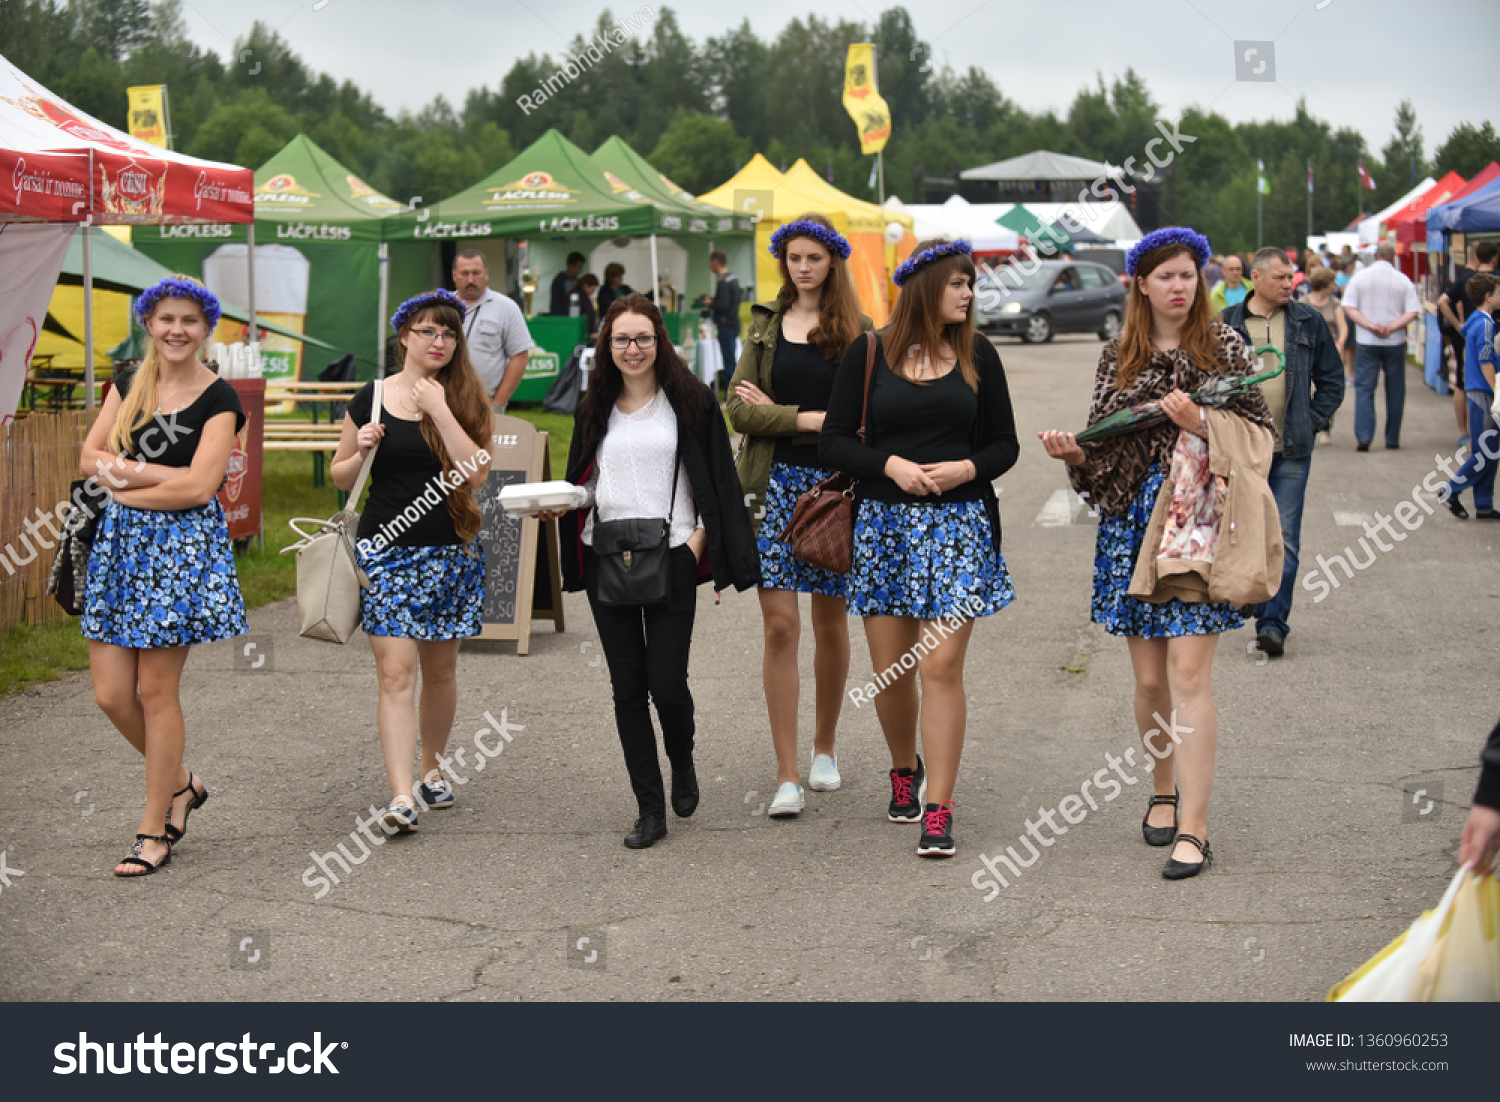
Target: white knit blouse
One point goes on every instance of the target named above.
(632, 474)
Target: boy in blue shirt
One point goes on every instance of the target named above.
(1478, 470)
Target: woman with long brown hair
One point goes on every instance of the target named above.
(161, 574)
(426, 574)
(777, 400)
(927, 560)
(650, 446)
(1171, 344)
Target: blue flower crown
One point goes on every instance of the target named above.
(803, 228)
(178, 287)
(1168, 235)
(915, 264)
(439, 297)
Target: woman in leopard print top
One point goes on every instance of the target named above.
(1170, 345)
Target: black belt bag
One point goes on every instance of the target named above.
(635, 556)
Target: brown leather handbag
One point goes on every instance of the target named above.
(821, 531)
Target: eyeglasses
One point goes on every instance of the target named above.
(436, 336)
(619, 344)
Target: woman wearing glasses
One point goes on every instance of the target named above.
(426, 574)
(649, 442)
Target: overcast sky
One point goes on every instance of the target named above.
(1353, 60)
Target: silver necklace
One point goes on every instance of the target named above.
(161, 402)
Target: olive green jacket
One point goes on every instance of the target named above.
(761, 426)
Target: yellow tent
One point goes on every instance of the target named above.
(111, 320)
(779, 199)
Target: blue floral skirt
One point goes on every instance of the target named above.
(162, 579)
(926, 561)
(1114, 563)
(429, 593)
(779, 568)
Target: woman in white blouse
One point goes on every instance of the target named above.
(649, 442)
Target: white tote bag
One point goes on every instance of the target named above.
(329, 576)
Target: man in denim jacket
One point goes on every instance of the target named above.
(1303, 402)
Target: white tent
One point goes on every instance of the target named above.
(957, 219)
(1369, 229)
(1111, 220)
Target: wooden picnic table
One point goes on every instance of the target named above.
(316, 436)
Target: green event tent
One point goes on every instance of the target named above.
(318, 245)
(1046, 238)
(558, 199)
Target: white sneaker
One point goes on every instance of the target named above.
(824, 775)
(788, 801)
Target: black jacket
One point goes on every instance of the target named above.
(726, 304)
(1314, 373)
(729, 555)
(995, 446)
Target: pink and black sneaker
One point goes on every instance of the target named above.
(937, 827)
(908, 789)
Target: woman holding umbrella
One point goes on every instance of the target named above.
(1170, 344)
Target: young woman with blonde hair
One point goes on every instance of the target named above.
(1171, 344)
(426, 589)
(927, 560)
(777, 400)
(161, 575)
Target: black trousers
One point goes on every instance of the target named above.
(646, 648)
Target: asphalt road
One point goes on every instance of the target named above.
(1322, 853)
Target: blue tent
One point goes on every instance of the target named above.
(1477, 213)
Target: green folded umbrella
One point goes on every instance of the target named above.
(1218, 392)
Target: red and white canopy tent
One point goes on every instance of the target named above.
(61, 168)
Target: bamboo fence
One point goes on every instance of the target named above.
(38, 461)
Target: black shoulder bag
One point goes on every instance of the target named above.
(634, 555)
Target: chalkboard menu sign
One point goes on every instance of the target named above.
(522, 573)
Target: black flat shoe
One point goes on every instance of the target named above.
(1487, 514)
(648, 830)
(1362, 446)
(684, 791)
(1160, 836)
(200, 797)
(1456, 507)
(1181, 870)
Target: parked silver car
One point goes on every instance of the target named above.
(1033, 300)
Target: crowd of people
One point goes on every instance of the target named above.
(918, 414)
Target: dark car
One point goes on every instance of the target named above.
(1035, 299)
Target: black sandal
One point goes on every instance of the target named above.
(1181, 870)
(176, 834)
(1160, 836)
(134, 856)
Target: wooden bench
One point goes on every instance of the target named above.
(303, 436)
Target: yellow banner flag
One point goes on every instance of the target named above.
(148, 113)
(862, 101)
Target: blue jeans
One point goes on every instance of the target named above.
(726, 350)
(1478, 471)
(1288, 481)
(1370, 362)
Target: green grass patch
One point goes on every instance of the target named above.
(42, 653)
